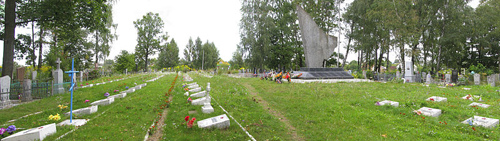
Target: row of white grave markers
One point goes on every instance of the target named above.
(39, 133)
(473, 121)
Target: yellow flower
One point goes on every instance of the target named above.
(62, 107)
(55, 117)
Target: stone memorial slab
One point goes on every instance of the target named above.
(491, 80)
(26, 96)
(479, 105)
(430, 111)
(454, 76)
(58, 78)
(190, 84)
(186, 93)
(219, 122)
(466, 88)
(471, 97)
(75, 122)
(477, 79)
(33, 75)
(105, 101)
(84, 111)
(20, 73)
(447, 78)
(428, 80)
(193, 86)
(387, 102)
(4, 92)
(398, 75)
(437, 99)
(199, 94)
(38, 133)
(207, 108)
(482, 121)
(201, 101)
(409, 77)
(122, 95)
(195, 90)
(364, 74)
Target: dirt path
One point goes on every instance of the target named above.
(291, 130)
(159, 127)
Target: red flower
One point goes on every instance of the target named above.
(432, 99)
(186, 118)
(473, 128)
(190, 123)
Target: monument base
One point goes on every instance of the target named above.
(324, 73)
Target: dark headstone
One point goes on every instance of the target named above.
(454, 76)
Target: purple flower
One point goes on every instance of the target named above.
(106, 94)
(2, 130)
(183, 86)
(126, 87)
(378, 103)
(11, 129)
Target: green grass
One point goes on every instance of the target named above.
(48, 106)
(318, 111)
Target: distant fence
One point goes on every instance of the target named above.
(39, 90)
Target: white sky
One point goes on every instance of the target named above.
(214, 20)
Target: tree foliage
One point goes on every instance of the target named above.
(149, 36)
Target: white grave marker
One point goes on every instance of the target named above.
(430, 111)
(482, 121)
(84, 111)
(219, 122)
(32, 134)
(122, 95)
(195, 90)
(105, 101)
(207, 108)
(470, 97)
(437, 99)
(193, 86)
(387, 102)
(479, 105)
(201, 101)
(199, 94)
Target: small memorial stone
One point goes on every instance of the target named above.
(38, 133)
(437, 99)
(84, 111)
(193, 86)
(122, 95)
(470, 97)
(219, 122)
(105, 101)
(207, 108)
(477, 79)
(201, 101)
(199, 94)
(430, 111)
(387, 102)
(479, 105)
(482, 121)
(195, 90)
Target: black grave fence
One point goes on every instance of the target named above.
(39, 90)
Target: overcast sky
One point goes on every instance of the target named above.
(213, 20)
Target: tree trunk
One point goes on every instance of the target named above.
(40, 49)
(96, 49)
(8, 44)
(33, 61)
(402, 56)
(380, 58)
(146, 64)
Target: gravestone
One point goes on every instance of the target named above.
(477, 79)
(364, 74)
(33, 75)
(103, 102)
(430, 111)
(482, 121)
(199, 94)
(38, 133)
(479, 105)
(409, 72)
(470, 97)
(20, 73)
(195, 90)
(207, 108)
(126, 71)
(84, 111)
(58, 78)
(193, 86)
(201, 101)
(491, 80)
(4, 92)
(190, 84)
(447, 78)
(26, 96)
(424, 76)
(454, 76)
(437, 99)
(81, 76)
(387, 102)
(219, 122)
(122, 95)
(398, 75)
(428, 79)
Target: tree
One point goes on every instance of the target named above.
(8, 44)
(124, 61)
(237, 60)
(188, 51)
(149, 30)
(169, 55)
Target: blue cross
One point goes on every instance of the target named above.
(71, 73)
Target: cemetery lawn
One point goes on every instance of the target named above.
(339, 111)
(49, 106)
